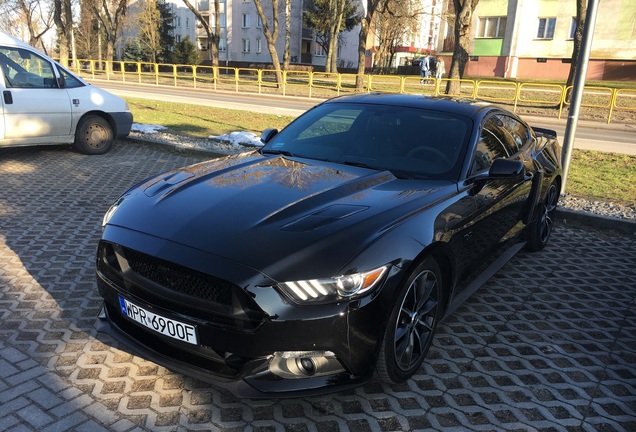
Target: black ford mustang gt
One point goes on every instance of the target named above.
(331, 254)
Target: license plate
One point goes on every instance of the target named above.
(166, 326)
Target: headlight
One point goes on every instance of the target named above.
(111, 211)
(333, 289)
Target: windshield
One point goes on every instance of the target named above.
(410, 142)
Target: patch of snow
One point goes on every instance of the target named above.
(147, 128)
(239, 138)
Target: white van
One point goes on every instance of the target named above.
(43, 103)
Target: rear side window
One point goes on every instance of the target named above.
(519, 132)
(24, 69)
(497, 127)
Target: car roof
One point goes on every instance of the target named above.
(7, 40)
(466, 107)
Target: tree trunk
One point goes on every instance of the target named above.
(463, 31)
(581, 15)
(286, 53)
(362, 48)
(216, 38)
(271, 37)
(334, 41)
(60, 17)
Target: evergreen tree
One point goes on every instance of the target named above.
(185, 52)
(133, 52)
(166, 32)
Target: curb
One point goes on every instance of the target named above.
(626, 226)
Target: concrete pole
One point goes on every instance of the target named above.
(577, 90)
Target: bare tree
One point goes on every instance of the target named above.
(214, 35)
(37, 19)
(373, 6)
(391, 29)
(111, 14)
(271, 36)
(147, 22)
(463, 30)
(87, 30)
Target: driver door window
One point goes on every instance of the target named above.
(23, 69)
(488, 149)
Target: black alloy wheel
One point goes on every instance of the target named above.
(540, 230)
(412, 324)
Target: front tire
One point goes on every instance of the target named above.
(412, 324)
(540, 230)
(94, 136)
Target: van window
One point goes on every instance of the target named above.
(70, 79)
(24, 69)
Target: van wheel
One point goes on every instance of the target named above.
(94, 136)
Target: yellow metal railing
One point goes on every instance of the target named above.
(326, 85)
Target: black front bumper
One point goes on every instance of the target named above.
(238, 334)
(254, 383)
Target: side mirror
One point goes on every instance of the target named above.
(504, 168)
(268, 134)
(500, 169)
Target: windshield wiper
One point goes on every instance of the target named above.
(283, 152)
(360, 164)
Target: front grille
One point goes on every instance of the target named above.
(177, 288)
(180, 279)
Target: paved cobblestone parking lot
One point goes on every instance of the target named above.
(549, 343)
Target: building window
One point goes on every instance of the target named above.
(259, 45)
(246, 21)
(222, 45)
(213, 20)
(546, 28)
(178, 38)
(572, 27)
(259, 22)
(246, 45)
(178, 21)
(319, 50)
(187, 22)
(491, 27)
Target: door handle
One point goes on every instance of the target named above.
(8, 97)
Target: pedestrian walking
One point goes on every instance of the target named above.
(424, 68)
(440, 69)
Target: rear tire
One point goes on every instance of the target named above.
(412, 324)
(94, 136)
(540, 230)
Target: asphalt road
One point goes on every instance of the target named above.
(615, 137)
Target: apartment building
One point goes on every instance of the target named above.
(242, 40)
(534, 39)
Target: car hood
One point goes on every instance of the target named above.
(263, 211)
